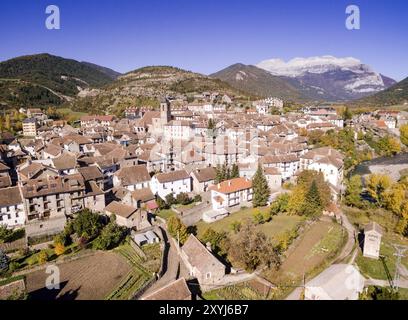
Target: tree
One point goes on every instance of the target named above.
(258, 217)
(347, 115)
(219, 175)
(183, 198)
(251, 249)
(7, 122)
(87, 224)
(280, 205)
(394, 198)
(177, 229)
(216, 240)
(234, 171)
(388, 146)
(62, 238)
(59, 249)
(170, 200)
(4, 261)
(353, 191)
(5, 233)
(261, 191)
(404, 134)
(313, 204)
(376, 185)
(111, 236)
(42, 257)
(162, 204)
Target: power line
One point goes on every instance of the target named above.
(400, 250)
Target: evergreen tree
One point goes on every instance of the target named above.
(234, 171)
(219, 175)
(227, 173)
(313, 203)
(261, 191)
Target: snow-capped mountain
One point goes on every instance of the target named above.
(329, 77)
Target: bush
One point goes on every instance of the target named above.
(198, 198)
(59, 249)
(258, 217)
(236, 226)
(170, 199)
(183, 198)
(13, 266)
(162, 204)
(42, 257)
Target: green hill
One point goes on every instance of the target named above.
(44, 79)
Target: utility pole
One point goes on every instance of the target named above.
(400, 250)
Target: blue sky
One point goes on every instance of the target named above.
(207, 35)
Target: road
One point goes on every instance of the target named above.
(171, 265)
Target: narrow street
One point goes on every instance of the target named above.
(171, 265)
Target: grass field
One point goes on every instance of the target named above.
(249, 290)
(375, 268)
(316, 248)
(71, 115)
(81, 279)
(165, 214)
(278, 225)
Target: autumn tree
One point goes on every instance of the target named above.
(217, 240)
(251, 249)
(404, 134)
(376, 185)
(177, 229)
(261, 191)
(354, 188)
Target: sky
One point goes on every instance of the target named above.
(207, 35)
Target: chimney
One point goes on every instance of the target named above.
(229, 183)
(219, 186)
(208, 245)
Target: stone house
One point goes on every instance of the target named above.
(201, 263)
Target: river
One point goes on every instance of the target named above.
(387, 165)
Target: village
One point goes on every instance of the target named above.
(177, 179)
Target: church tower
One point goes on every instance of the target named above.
(165, 112)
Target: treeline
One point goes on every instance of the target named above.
(380, 192)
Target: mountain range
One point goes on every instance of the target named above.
(325, 78)
(43, 80)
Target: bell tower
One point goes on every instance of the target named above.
(165, 112)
